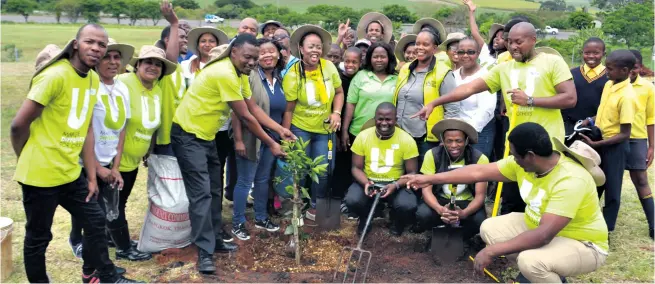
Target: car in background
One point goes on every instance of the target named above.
(549, 30)
(209, 18)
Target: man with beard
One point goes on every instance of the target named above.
(540, 84)
(385, 143)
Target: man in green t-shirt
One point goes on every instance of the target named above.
(382, 154)
(538, 84)
(455, 152)
(562, 232)
(48, 135)
(221, 87)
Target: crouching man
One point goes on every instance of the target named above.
(562, 232)
(382, 154)
(455, 152)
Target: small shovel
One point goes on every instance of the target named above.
(328, 209)
(447, 244)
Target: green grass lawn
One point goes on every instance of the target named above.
(630, 260)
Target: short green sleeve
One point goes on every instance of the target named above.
(355, 87)
(358, 146)
(231, 89)
(560, 71)
(428, 167)
(411, 150)
(45, 87)
(508, 168)
(483, 160)
(492, 78)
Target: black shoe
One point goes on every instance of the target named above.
(93, 278)
(132, 254)
(77, 249)
(120, 270)
(122, 279)
(241, 232)
(222, 247)
(226, 237)
(205, 262)
(124, 249)
(267, 225)
(417, 229)
(395, 231)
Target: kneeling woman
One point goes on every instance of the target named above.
(145, 119)
(455, 152)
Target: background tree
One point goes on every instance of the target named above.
(22, 7)
(244, 4)
(398, 13)
(72, 8)
(186, 4)
(333, 15)
(116, 8)
(553, 5)
(229, 11)
(135, 10)
(580, 20)
(632, 23)
(91, 10)
(151, 10)
(615, 4)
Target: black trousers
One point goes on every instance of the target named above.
(129, 178)
(342, 176)
(200, 168)
(613, 164)
(428, 218)
(40, 204)
(403, 204)
(512, 200)
(502, 126)
(227, 156)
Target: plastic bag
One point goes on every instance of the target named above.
(111, 196)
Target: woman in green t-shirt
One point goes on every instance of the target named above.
(145, 109)
(314, 96)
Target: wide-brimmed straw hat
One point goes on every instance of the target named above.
(399, 51)
(495, 27)
(378, 18)
(302, 31)
(126, 51)
(195, 34)
(585, 155)
(150, 51)
(452, 37)
(548, 50)
(455, 124)
(218, 51)
(438, 26)
(50, 54)
(269, 22)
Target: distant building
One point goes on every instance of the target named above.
(597, 24)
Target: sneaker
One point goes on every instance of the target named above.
(241, 232)
(311, 214)
(77, 249)
(93, 278)
(267, 225)
(226, 236)
(122, 279)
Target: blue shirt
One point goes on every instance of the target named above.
(292, 60)
(187, 56)
(278, 102)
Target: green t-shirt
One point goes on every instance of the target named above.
(51, 154)
(204, 108)
(393, 152)
(568, 191)
(145, 108)
(173, 87)
(367, 92)
(536, 78)
(313, 100)
(429, 167)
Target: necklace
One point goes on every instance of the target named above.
(380, 136)
(111, 91)
(546, 172)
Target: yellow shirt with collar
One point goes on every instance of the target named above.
(617, 106)
(504, 57)
(644, 108)
(593, 72)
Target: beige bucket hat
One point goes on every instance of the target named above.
(585, 155)
(452, 37)
(548, 50)
(432, 23)
(402, 44)
(302, 31)
(495, 27)
(51, 54)
(150, 51)
(455, 124)
(375, 17)
(195, 34)
(126, 51)
(269, 22)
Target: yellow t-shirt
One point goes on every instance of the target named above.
(617, 106)
(537, 78)
(173, 87)
(313, 97)
(52, 152)
(205, 108)
(393, 152)
(146, 111)
(429, 167)
(505, 57)
(568, 191)
(645, 108)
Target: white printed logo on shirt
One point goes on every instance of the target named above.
(375, 161)
(75, 121)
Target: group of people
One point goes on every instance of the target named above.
(419, 121)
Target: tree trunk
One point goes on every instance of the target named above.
(154, 22)
(118, 19)
(296, 217)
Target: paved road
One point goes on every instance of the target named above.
(51, 19)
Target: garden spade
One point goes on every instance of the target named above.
(328, 209)
(447, 242)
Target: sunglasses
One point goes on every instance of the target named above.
(468, 52)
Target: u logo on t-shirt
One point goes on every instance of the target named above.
(114, 111)
(375, 161)
(75, 121)
(148, 119)
(530, 79)
(312, 96)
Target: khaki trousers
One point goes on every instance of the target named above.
(561, 257)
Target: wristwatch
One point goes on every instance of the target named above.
(396, 184)
(530, 101)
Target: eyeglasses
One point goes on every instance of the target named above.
(468, 52)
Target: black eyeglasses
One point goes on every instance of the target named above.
(469, 52)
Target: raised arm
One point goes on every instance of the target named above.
(475, 31)
(173, 45)
(465, 175)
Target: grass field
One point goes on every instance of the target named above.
(630, 260)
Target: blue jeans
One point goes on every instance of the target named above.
(318, 146)
(486, 139)
(258, 172)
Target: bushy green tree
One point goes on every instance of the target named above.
(398, 13)
(91, 10)
(580, 20)
(22, 7)
(135, 10)
(115, 8)
(186, 4)
(632, 23)
(244, 4)
(151, 10)
(72, 8)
